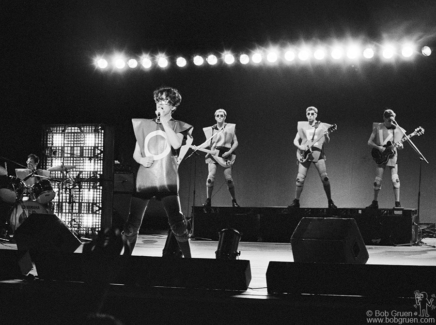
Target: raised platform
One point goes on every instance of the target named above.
(276, 224)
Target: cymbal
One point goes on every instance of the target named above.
(61, 168)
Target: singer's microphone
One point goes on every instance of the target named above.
(158, 117)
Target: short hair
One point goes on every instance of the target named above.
(34, 157)
(172, 94)
(221, 110)
(388, 113)
(312, 108)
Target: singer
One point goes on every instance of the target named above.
(312, 136)
(386, 136)
(158, 144)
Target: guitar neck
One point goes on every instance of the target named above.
(407, 137)
(204, 150)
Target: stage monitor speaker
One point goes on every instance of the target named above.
(9, 265)
(45, 232)
(195, 273)
(328, 240)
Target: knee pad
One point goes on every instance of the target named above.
(230, 183)
(325, 179)
(180, 230)
(377, 183)
(129, 230)
(210, 181)
(300, 180)
(395, 181)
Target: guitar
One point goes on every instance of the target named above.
(216, 155)
(381, 158)
(309, 154)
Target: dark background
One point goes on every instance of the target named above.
(48, 77)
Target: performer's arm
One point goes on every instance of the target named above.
(371, 142)
(175, 139)
(297, 142)
(144, 161)
(233, 148)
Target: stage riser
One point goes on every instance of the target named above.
(377, 227)
(390, 281)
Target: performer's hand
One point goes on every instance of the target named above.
(147, 161)
(302, 148)
(381, 148)
(226, 154)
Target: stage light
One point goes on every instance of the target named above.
(319, 53)
(228, 244)
(244, 59)
(229, 58)
(290, 55)
(212, 59)
(368, 53)
(407, 50)
(89, 140)
(132, 63)
(256, 57)
(146, 62)
(198, 60)
(102, 63)
(304, 54)
(388, 51)
(337, 52)
(119, 63)
(353, 52)
(58, 140)
(181, 62)
(426, 51)
(162, 62)
(272, 56)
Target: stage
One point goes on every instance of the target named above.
(61, 302)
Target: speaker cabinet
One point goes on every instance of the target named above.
(187, 273)
(45, 232)
(9, 265)
(328, 240)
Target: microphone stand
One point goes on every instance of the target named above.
(421, 159)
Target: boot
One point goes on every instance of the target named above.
(332, 204)
(295, 204)
(374, 205)
(207, 203)
(235, 204)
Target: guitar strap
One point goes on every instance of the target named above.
(314, 131)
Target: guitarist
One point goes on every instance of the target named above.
(307, 132)
(222, 137)
(383, 134)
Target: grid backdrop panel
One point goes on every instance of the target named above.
(77, 152)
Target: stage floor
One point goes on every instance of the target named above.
(261, 253)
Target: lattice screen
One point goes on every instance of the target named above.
(77, 150)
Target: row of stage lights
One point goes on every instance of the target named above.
(120, 61)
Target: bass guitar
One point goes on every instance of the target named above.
(381, 158)
(310, 155)
(217, 156)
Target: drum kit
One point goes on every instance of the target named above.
(26, 199)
